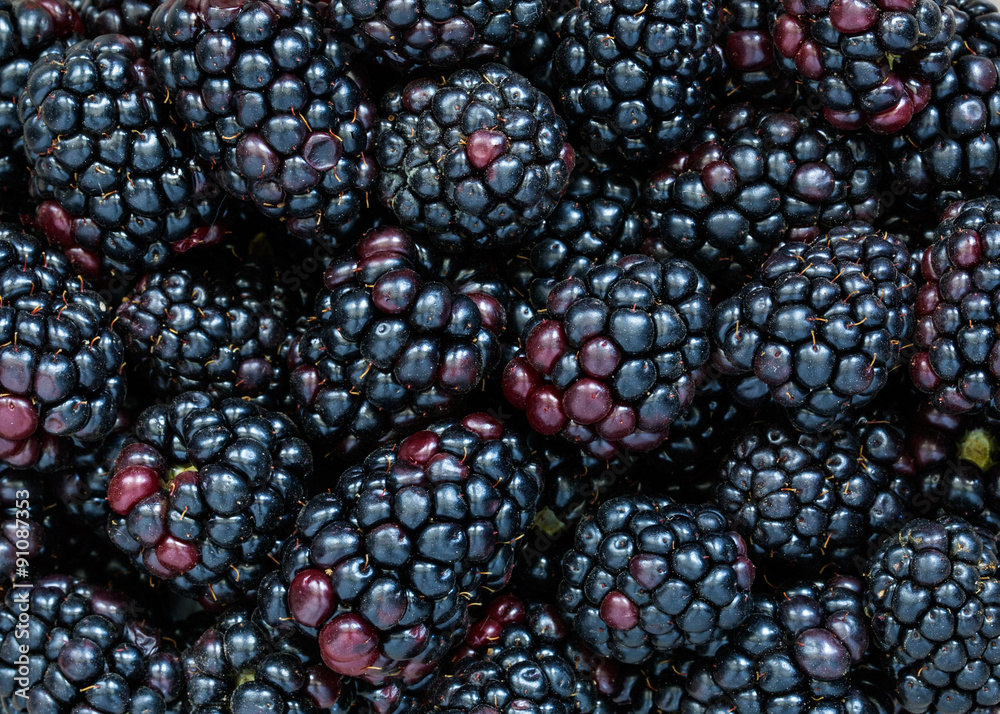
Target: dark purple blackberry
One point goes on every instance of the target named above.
(119, 191)
(70, 646)
(60, 361)
(271, 101)
(755, 178)
(204, 494)
(118, 17)
(532, 57)
(633, 77)
(388, 350)
(382, 570)
(219, 330)
(807, 499)
(866, 62)
(475, 161)
(609, 365)
(22, 524)
(820, 326)
(648, 576)
(799, 651)
(958, 357)
(934, 600)
(235, 667)
(750, 68)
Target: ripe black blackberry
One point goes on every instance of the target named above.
(237, 668)
(820, 326)
(533, 57)
(382, 569)
(271, 100)
(633, 76)
(474, 161)
(23, 532)
(213, 328)
(933, 596)
(648, 576)
(88, 649)
(205, 492)
(808, 499)
(867, 62)
(750, 68)
(609, 365)
(755, 178)
(118, 190)
(388, 350)
(117, 17)
(60, 361)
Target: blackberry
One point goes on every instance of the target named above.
(797, 652)
(23, 532)
(634, 76)
(748, 50)
(118, 17)
(609, 365)
(820, 326)
(805, 498)
(647, 576)
(755, 178)
(532, 57)
(204, 493)
(71, 646)
(475, 161)
(272, 101)
(387, 350)
(382, 569)
(866, 63)
(513, 660)
(218, 330)
(933, 596)
(60, 361)
(956, 362)
(235, 667)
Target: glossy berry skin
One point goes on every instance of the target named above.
(216, 330)
(609, 365)
(205, 492)
(748, 51)
(60, 361)
(118, 17)
(755, 178)
(933, 596)
(867, 63)
(23, 532)
(270, 100)
(118, 190)
(377, 567)
(634, 76)
(87, 649)
(805, 499)
(475, 161)
(820, 326)
(647, 576)
(797, 652)
(958, 357)
(388, 350)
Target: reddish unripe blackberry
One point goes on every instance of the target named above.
(609, 364)
(820, 326)
(205, 492)
(382, 569)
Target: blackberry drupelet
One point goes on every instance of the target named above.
(118, 17)
(755, 178)
(958, 357)
(272, 101)
(820, 326)
(934, 600)
(647, 576)
(748, 50)
(866, 62)
(205, 492)
(60, 361)
(474, 161)
(382, 569)
(808, 499)
(388, 350)
(513, 660)
(634, 76)
(219, 329)
(235, 667)
(23, 532)
(609, 365)
(533, 57)
(88, 649)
